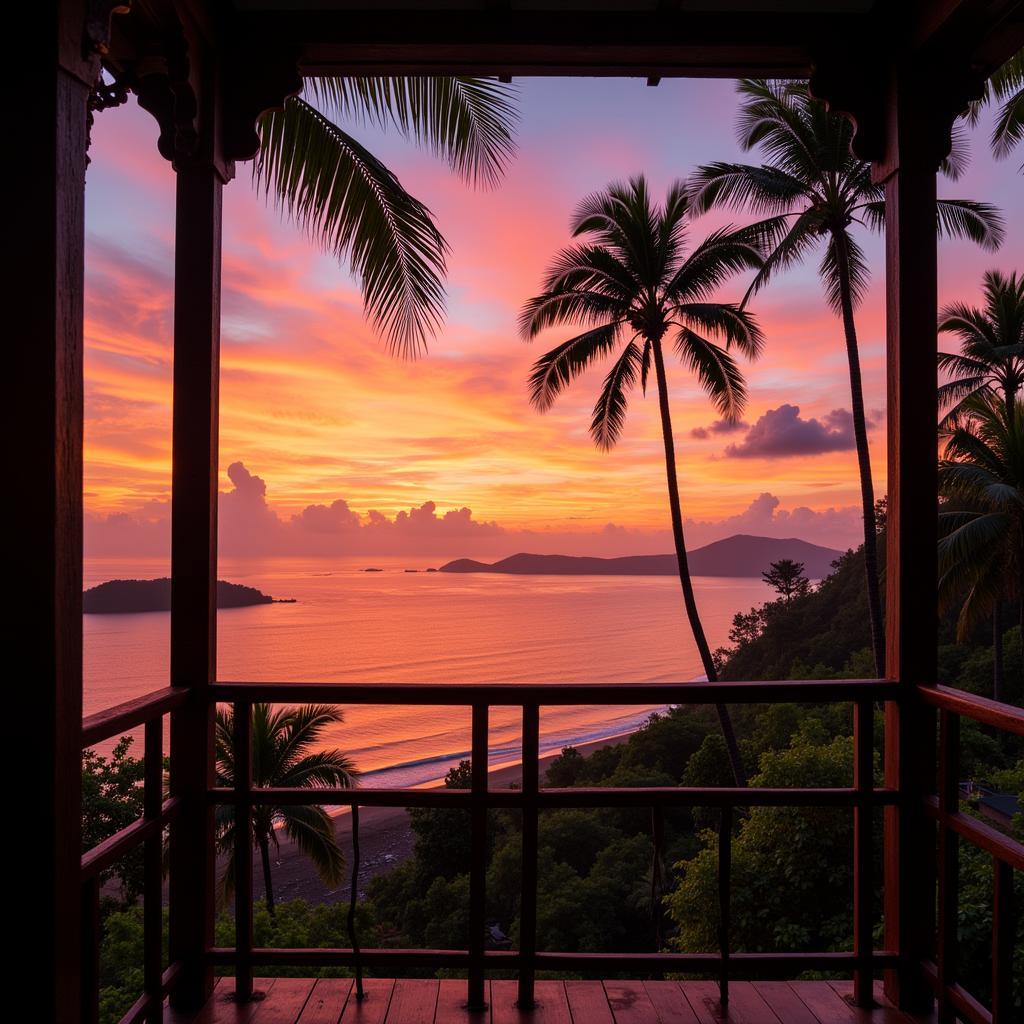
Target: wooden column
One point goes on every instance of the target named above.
(197, 277)
(43, 445)
(910, 575)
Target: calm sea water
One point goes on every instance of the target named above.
(398, 626)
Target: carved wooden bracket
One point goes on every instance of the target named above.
(256, 79)
(858, 92)
(96, 33)
(164, 87)
(862, 90)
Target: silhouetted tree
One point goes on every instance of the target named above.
(812, 190)
(632, 284)
(787, 578)
(281, 758)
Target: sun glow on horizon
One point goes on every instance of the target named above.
(314, 406)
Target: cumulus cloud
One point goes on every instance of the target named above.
(722, 426)
(782, 433)
(250, 527)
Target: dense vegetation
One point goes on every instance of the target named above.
(600, 887)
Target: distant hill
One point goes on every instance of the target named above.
(120, 597)
(741, 555)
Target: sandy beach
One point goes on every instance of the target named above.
(385, 839)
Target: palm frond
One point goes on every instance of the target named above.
(716, 370)
(981, 223)
(348, 201)
(764, 190)
(610, 409)
(467, 121)
(728, 320)
(312, 830)
(556, 369)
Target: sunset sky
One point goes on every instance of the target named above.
(327, 442)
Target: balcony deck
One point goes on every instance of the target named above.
(419, 1001)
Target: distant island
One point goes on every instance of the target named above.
(121, 597)
(741, 555)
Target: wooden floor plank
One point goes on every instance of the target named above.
(588, 1002)
(884, 1012)
(451, 1004)
(670, 1002)
(374, 1008)
(827, 1005)
(552, 1006)
(326, 1002)
(785, 1003)
(413, 1001)
(284, 1002)
(745, 1005)
(222, 1008)
(630, 1003)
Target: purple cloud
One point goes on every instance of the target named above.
(782, 433)
(722, 426)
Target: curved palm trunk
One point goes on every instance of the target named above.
(684, 570)
(268, 885)
(860, 433)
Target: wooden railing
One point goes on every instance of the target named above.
(863, 961)
(158, 813)
(1007, 856)
(862, 797)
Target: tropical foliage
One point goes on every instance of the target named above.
(981, 547)
(633, 282)
(1005, 87)
(990, 363)
(286, 753)
(811, 191)
(349, 202)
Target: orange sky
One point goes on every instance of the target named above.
(313, 405)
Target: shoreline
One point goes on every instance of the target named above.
(385, 837)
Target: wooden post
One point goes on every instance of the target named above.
(910, 576)
(43, 428)
(197, 273)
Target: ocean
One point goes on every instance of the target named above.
(417, 627)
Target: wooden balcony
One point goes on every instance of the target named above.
(207, 72)
(333, 1001)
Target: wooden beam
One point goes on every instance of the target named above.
(197, 283)
(43, 428)
(909, 171)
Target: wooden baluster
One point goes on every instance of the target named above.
(1003, 942)
(478, 866)
(153, 870)
(863, 852)
(948, 861)
(242, 739)
(528, 877)
(724, 887)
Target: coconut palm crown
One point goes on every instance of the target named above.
(812, 191)
(991, 357)
(635, 284)
(981, 524)
(350, 203)
(283, 756)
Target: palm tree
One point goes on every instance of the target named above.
(631, 284)
(981, 546)
(991, 356)
(349, 202)
(281, 757)
(812, 190)
(1006, 86)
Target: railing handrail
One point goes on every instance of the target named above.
(1007, 717)
(552, 694)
